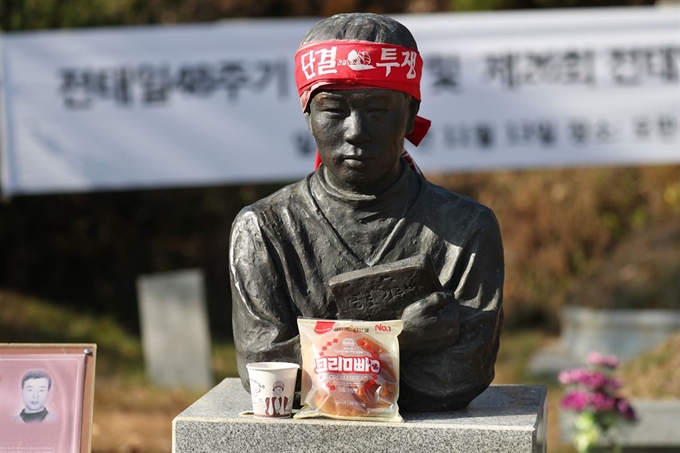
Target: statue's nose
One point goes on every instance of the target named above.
(355, 129)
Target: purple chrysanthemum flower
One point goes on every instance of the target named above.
(594, 380)
(625, 409)
(573, 376)
(576, 400)
(602, 402)
(591, 379)
(597, 359)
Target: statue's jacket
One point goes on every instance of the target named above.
(285, 247)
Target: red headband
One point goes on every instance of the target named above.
(349, 64)
(366, 63)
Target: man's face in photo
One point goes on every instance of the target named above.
(35, 393)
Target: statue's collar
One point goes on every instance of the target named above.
(396, 194)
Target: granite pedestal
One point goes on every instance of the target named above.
(504, 419)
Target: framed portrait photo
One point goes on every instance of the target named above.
(46, 397)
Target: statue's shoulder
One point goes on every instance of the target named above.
(273, 208)
(446, 203)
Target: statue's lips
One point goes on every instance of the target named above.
(356, 161)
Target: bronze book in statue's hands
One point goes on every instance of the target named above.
(382, 292)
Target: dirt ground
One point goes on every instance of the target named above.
(131, 416)
(126, 431)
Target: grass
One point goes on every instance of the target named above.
(655, 374)
(516, 350)
(29, 320)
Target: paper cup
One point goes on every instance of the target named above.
(272, 387)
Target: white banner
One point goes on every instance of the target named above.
(212, 104)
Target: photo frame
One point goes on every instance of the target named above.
(46, 397)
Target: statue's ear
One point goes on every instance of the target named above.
(413, 108)
(308, 119)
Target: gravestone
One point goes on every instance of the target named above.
(656, 430)
(621, 332)
(175, 332)
(624, 333)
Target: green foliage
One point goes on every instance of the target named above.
(44, 14)
(25, 319)
(480, 5)
(103, 241)
(586, 433)
(489, 5)
(515, 352)
(31, 320)
(49, 14)
(560, 227)
(224, 360)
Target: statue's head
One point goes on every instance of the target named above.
(361, 27)
(358, 77)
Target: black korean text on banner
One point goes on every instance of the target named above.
(627, 66)
(515, 70)
(154, 84)
(640, 65)
(445, 72)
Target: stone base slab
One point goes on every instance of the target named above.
(504, 419)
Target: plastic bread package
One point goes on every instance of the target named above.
(350, 369)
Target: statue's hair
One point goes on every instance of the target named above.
(37, 374)
(363, 27)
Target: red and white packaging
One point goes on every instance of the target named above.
(350, 369)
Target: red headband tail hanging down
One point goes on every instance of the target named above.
(348, 64)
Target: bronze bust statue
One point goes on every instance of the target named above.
(367, 208)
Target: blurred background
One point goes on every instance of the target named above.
(605, 237)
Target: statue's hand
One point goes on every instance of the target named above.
(430, 323)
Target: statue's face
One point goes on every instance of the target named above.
(360, 135)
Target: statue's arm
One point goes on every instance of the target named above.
(458, 362)
(264, 326)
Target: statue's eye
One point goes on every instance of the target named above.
(334, 111)
(377, 107)
(378, 110)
